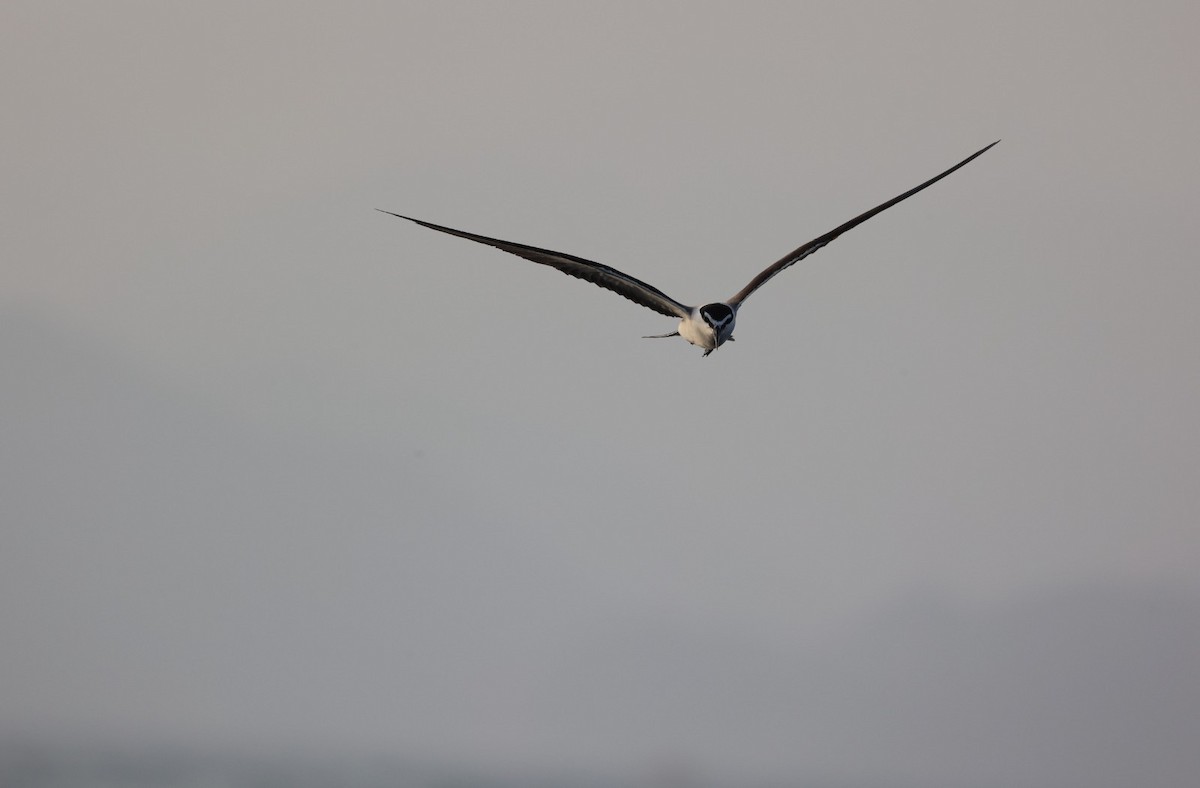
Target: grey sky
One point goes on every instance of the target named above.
(279, 470)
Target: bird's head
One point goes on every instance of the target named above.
(720, 318)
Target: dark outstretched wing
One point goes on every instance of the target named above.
(609, 278)
(816, 243)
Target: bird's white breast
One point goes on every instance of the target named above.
(695, 330)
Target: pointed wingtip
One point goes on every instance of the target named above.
(410, 219)
(972, 157)
(402, 216)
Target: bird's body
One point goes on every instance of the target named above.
(708, 326)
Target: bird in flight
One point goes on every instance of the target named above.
(708, 326)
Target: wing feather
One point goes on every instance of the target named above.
(799, 254)
(598, 274)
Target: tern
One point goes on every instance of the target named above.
(708, 326)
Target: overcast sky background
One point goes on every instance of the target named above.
(278, 471)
